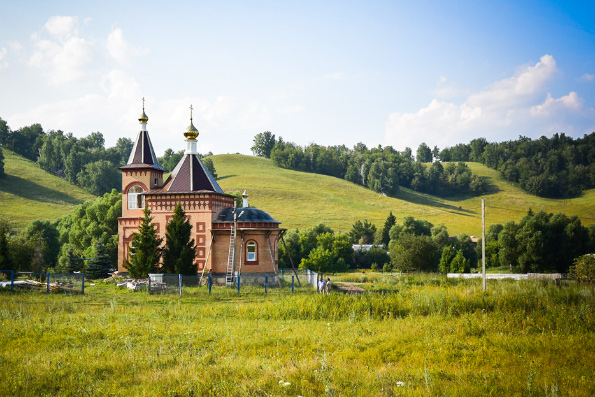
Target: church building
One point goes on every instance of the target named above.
(229, 241)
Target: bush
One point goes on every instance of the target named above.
(375, 266)
(583, 270)
(387, 268)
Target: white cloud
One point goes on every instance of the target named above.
(120, 49)
(587, 77)
(552, 106)
(509, 107)
(62, 27)
(3, 63)
(517, 89)
(64, 57)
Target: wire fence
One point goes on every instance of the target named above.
(64, 283)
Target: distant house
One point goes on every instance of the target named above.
(366, 247)
(254, 250)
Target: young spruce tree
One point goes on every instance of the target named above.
(180, 250)
(145, 249)
(100, 264)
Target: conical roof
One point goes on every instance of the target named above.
(190, 175)
(143, 154)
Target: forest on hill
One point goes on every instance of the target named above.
(556, 167)
(84, 162)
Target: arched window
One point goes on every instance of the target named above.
(251, 251)
(136, 199)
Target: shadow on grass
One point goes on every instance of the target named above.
(432, 201)
(220, 178)
(32, 191)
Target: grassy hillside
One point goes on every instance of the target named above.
(300, 200)
(28, 193)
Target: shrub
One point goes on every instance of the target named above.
(583, 270)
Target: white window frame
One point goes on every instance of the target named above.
(136, 198)
(251, 255)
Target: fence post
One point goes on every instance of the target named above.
(149, 285)
(266, 284)
(292, 277)
(282, 273)
(238, 284)
(210, 282)
(48, 282)
(12, 281)
(83, 274)
(180, 283)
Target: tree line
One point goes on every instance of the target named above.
(382, 169)
(539, 242)
(84, 162)
(555, 167)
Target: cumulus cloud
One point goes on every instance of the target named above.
(504, 110)
(120, 49)
(62, 27)
(63, 57)
(587, 77)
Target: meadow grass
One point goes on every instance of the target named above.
(28, 193)
(423, 335)
(300, 200)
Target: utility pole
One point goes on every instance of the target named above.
(483, 241)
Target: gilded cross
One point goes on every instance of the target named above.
(143, 104)
(190, 112)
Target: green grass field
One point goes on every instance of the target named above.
(417, 335)
(29, 193)
(300, 200)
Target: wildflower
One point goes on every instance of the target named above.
(281, 381)
(286, 384)
(399, 384)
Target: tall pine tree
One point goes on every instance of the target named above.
(180, 250)
(145, 250)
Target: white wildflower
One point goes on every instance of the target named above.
(399, 384)
(286, 384)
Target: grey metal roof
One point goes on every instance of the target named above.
(245, 215)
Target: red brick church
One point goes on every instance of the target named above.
(248, 246)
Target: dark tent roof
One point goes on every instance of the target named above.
(190, 175)
(143, 154)
(245, 215)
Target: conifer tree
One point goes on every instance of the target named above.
(101, 263)
(145, 250)
(391, 220)
(180, 250)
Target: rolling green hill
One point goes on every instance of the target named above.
(300, 200)
(28, 193)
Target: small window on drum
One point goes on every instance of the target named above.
(136, 198)
(251, 252)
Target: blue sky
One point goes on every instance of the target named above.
(389, 73)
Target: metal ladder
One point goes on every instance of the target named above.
(230, 257)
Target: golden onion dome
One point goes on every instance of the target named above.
(191, 132)
(143, 117)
